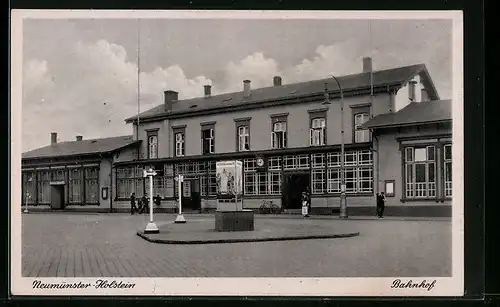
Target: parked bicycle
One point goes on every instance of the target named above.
(268, 207)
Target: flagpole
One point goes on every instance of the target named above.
(138, 84)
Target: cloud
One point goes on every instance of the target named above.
(90, 91)
(92, 88)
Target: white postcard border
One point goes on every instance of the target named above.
(452, 286)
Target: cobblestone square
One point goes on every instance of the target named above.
(106, 245)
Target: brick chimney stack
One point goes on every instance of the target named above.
(367, 64)
(208, 91)
(277, 81)
(171, 97)
(53, 138)
(246, 88)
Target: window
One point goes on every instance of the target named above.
(361, 136)
(318, 161)
(92, 185)
(262, 183)
(250, 183)
(180, 149)
(129, 180)
(296, 162)
(208, 139)
(243, 138)
(242, 134)
(29, 183)
(333, 183)
(152, 144)
(358, 173)
(318, 132)
(75, 186)
(43, 187)
(420, 172)
(318, 181)
(279, 135)
(274, 183)
(274, 163)
(448, 179)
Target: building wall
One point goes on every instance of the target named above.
(389, 163)
(105, 182)
(260, 126)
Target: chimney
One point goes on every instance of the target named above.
(425, 95)
(277, 81)
(79, 138)
(367, 64)
(208, 91)
(411, 90)
(171, 97)
(246, 88)
(53, 138)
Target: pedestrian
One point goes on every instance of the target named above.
(133, 207)
(157, 200)
(305, 206)
(382, 205)
(145, 204)
(377, 204)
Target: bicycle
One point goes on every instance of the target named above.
(268, 207)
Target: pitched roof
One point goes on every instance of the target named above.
(394, 76)
(432, 111)
(83, 147)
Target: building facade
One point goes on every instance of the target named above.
(397, 137)
(289, 140)
(74, 175)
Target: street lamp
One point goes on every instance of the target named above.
(26, 195)
(343, 203)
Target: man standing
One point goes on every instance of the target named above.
(381, 205)
(145, 204)
(133, 208)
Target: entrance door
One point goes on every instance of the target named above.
(293, 186)
(191, 199)
(57, 196)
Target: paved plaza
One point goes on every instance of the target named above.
(106, 245)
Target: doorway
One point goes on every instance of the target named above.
(57, 196)
(293, 186)
(191, 194)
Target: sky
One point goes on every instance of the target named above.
(80, 75)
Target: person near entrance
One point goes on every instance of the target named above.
(144, 205)
(305, 204)
(157, 200)
(133, 207)
(380, 205)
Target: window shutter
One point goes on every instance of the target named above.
(311, 137)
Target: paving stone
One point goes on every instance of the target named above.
(107, 244)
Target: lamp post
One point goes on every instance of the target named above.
(151, 226)
(180, 218)
(343, 203)
(26, 195)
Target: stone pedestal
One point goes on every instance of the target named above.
(242, 220)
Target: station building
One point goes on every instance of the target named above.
(74, 175)
(288, 140)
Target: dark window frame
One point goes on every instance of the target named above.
(204, 127)
(318, 114)
(152, 133)
(279, 118)
(242, 122)
(179, 130)
(356, 110)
